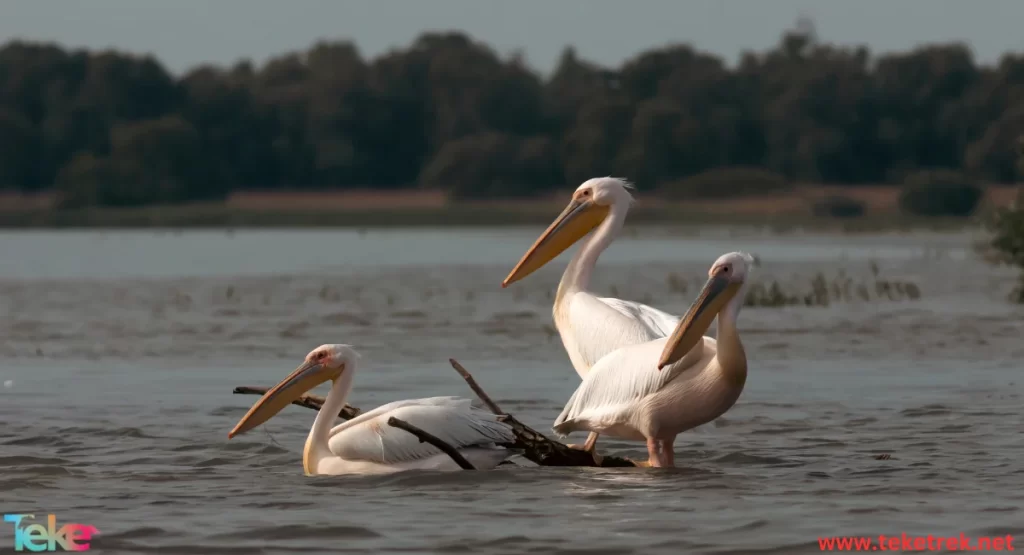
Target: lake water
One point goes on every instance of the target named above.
(119, 352)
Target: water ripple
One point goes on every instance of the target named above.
(857, 418)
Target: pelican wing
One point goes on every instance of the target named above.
(657, 322)
(600, 325)
(620, 380)
(453, 420)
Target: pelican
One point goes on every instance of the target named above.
(591, 326)
(366, 444)
(658, 389)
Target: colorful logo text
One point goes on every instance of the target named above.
(36, 537)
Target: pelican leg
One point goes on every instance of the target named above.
(653, 454)
(668, 454)
(589, 447)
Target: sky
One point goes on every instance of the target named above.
(186, 33)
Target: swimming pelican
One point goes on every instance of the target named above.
(591, 326)
(366, 444)
(655, 390)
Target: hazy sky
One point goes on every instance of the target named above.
(184, 33)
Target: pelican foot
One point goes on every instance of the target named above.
(642, 464)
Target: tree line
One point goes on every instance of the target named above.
(448, 112)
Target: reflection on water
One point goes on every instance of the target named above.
(123, 349)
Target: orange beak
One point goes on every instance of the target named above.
(715, 294)
(304, 378)
(577, 220)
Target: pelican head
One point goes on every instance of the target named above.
(725, 278)
(326, 362)
(590, 205)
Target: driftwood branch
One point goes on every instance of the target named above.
(475, 386)
(535, 445)
(308, 401)
(425, 437)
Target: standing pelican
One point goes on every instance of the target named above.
(366, 444)
(655, 390)
(591, 326)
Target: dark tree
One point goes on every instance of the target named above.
(449, 112)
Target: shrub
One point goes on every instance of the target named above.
(726, 182)
(939, 193)
(91, 181)
(493, 165)
(1020, 156)
(1007, 227)
(836, 206)
(170, 151)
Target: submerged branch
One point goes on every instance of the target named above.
(535, 445)
(425, 437)
(475, 386)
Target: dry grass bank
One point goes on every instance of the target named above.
(877, 199)
(417, 207)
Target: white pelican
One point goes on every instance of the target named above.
(366, 444)
(655, 390)
(591, 326)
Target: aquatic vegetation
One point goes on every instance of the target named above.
(820, 290)
(1007, 243)
(816, 290)
(677, 284)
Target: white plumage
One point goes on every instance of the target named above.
(367, 444)
(656, 389)
(617, 394)
(368, 438)
(657, 322)
(599, 325)
(591, 327)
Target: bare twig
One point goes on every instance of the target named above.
(308, 401)
(535, 445)
(475, 387)
(425, 437)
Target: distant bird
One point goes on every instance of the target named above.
(591, 326)
(655, 390)
(366, 444)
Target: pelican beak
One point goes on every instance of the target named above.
(716, 293)
(577, 220)
(304, 378)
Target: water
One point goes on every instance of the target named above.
(120, 351)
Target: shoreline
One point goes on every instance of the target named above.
(413, 209)
(450, 217)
